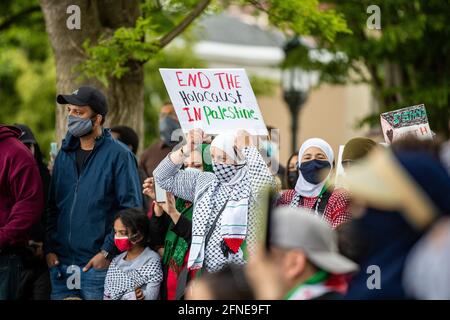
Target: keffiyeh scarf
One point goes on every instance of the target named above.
(234, 198)
(118, 283)
(229, 193)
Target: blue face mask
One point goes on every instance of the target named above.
(79, 127)
(167, 126)
(311, 170)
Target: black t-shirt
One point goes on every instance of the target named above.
(81, 158)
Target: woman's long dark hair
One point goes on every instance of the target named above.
(286, 176)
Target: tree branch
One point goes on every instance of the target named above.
(172, 34)
(260, 6)
(10, 20)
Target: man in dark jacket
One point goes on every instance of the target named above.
(94, 176)
(21, 205)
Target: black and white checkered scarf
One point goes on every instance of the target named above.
(232, 190)
(118, 282)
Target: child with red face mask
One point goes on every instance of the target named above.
(136, 273)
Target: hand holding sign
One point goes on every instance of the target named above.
(196, 136)
(193, 139)
(244, 139)
(406, 121)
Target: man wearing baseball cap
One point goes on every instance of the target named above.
(303, 262)
(94, 177)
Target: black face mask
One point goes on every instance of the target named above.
(311, 170)
(292, 178)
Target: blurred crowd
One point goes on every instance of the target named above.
(218, 217)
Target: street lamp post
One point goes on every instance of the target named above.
(296, 85)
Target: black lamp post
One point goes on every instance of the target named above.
(296, 85)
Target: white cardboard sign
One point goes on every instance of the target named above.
(407, 121)
(214, 100)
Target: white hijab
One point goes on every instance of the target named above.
(303, 187)
(226, 143)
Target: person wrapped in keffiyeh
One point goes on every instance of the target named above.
(175, 247)
(225, 198)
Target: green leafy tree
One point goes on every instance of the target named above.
(154, 91)
(120, 36)
(406, 62)
(27, 71)
(120, 46)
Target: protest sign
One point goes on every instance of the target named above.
(407, 121)
(214, 100)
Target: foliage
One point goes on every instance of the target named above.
(303, 17)
(27, 73)
(141, 43)
(154, 91)
(407, 62)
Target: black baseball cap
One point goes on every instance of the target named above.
(86, 96)
(27, 135)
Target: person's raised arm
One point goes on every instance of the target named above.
(260, 176)
(168, 174)
(182, 226)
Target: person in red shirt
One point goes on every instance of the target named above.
(316, 161)
(21, 205)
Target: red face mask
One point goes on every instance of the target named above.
(122, 243)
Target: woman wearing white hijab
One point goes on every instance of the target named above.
(225, 206)
(316, 160)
